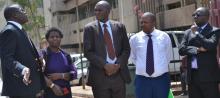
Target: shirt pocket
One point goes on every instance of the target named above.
(140, 47)
(160, 46)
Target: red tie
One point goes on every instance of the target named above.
(108, 43)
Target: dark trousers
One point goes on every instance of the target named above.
(114, 88)
(22, 96)
(146, 87)
(184, 81)
(198, 89)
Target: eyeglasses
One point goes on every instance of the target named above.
(198, 14)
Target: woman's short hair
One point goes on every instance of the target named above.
(53, 29)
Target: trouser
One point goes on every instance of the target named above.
(157, 87)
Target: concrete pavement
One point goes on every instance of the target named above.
(79, 92)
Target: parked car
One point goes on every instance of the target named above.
(176, 38)
(76, 57)
(85, 64)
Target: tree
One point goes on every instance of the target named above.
(36, 21)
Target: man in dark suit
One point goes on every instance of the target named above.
(107, 48)
(199, 44)
(21, 73)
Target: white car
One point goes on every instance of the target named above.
(176, 38)
(76, 57)
(85, 64)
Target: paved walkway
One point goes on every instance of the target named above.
(79, 92)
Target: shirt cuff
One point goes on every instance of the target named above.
(23, 71)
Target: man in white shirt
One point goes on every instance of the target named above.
(151, 53)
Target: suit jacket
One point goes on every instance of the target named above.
(17, 52)
(207, 63)
(95, 51)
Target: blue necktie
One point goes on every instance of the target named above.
(150, 57)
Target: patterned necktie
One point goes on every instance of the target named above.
(108, 43)
(150, 57)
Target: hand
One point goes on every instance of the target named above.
(26, 73)
(57, 90)
(48, 81)
(201, 49)
(111, 68)
(55, 76)
(43, 63)
(40, 94)
(194, 28)
(117, 67)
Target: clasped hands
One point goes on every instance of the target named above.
(111, 69)
(55, 88)
(194, 29)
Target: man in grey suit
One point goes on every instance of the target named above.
(22, 76)
(199, 44)
(107, 48)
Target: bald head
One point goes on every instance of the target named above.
(148, 21)
(11, 10)
(102, 11)
(15, 13)
(201, 16)
(105, 4)
(149, 15)
(203, 11)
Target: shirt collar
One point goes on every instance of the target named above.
(107, 23)
(16, 23)
(153, 33)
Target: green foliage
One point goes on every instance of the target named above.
(35, 20)
(23, 3)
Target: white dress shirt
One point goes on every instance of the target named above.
(162, 49)
(110, 32)
(194, 59)
(15, 23)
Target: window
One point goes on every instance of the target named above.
(173, 5)
(82, 12)
(189, 2)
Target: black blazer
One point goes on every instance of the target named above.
(95, 51)
(17, 53)
(207, 63)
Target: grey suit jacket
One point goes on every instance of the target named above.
(95, 51)
(206, 61)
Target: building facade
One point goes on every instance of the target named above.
(171, 15)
